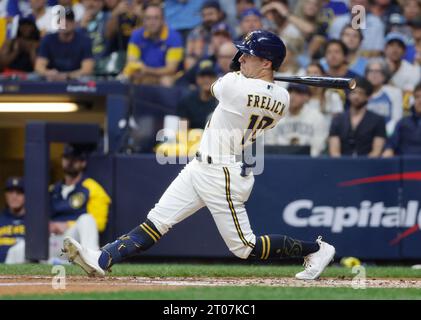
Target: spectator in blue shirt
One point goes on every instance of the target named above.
(373, 32)
(18, 8)
(250, 20)
(183, 16)
(155, 51)
(12, 228)
(386, 100)
(406, 139)
(353, 38)
(66, 54)
(234, 10)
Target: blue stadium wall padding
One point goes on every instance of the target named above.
(38, 136)
(368, 208)
(117, 108)
(297, 196)
(305, 198)
(411, 199)
(36, 191)
(101, 168)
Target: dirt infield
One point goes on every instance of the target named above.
(11, 285)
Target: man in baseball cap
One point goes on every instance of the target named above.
(396, 37)
(75, 151)
(404, 74)
(12, 249)
(199, 104)
(14, 183)
(250, 20)
(79, 204)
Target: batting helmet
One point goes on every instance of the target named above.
(264, 44)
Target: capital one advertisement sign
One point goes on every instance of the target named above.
(367, 208)
(366, 215)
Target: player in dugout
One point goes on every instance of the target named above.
(79, 204)
(12, 227)
(79, 207)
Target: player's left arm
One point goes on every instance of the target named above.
(98, 203)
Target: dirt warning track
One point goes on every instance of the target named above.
(11, 285)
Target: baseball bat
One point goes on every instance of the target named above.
(325, 82)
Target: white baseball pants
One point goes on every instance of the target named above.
(222, 189)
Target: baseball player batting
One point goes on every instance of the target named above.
(249, 101)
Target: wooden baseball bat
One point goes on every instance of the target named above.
(325, 82)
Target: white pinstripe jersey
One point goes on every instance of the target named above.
(246, 108)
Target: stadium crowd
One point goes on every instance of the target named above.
(189, 43)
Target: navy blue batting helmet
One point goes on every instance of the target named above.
(264, 44)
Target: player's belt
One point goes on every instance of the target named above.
(218, 159)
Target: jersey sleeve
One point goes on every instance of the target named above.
(133, 50)
(175, 48)
(221, 88)
(98, 203)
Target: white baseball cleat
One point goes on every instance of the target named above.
(86, 258)
(316, 262)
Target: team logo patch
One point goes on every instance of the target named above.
(77, 200)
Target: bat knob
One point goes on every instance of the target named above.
(352, 84)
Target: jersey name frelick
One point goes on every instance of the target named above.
(247, 107)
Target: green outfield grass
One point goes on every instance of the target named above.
(237, 293)
(214, 270)
(220, 270)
